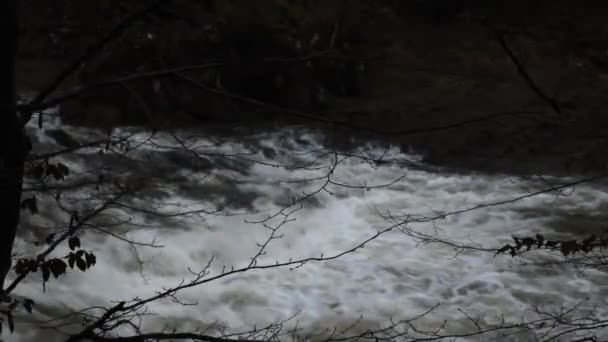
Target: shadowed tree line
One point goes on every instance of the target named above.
(439, 69)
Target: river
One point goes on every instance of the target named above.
(235, 183)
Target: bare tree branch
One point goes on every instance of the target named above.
(501, 38)
(90, 53)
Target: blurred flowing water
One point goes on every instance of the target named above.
(246, 178)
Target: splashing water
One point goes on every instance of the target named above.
(246, 180)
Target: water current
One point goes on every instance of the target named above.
(213, 200)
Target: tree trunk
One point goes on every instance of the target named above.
(12, 142)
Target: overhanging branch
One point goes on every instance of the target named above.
(90, 53)
(521, 70)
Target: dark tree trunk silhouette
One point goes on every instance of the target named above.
(12, 148)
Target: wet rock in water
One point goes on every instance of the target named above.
(186, 159)
(311, 202)
(268, 152)
(63, 138)
(290, 197)
(479, 286)
(241, 166)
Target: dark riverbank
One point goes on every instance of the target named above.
(423, 75)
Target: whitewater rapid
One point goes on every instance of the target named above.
(393, 277)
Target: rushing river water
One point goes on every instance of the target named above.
(246, 179)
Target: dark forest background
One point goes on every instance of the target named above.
(377, 68)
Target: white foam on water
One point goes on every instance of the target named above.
(391, 277)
